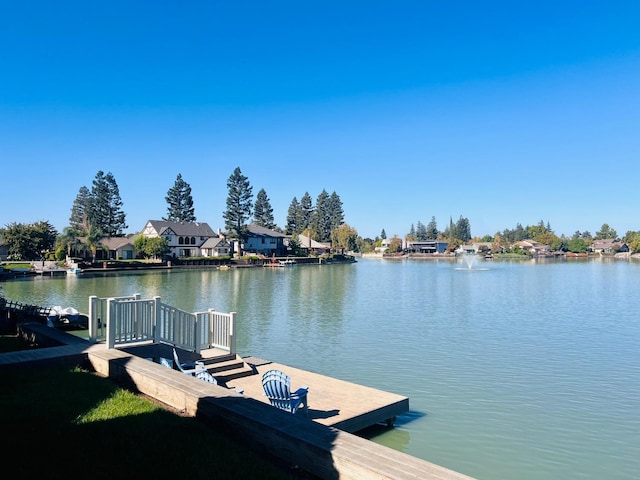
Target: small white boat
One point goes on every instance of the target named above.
(289, 262)
(74, 271)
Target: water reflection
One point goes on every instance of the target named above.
(524, 370)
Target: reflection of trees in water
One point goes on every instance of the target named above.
(317, 295)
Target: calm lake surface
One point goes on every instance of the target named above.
(514, 370)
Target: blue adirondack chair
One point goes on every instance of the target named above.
(196, 369)
(277, 388)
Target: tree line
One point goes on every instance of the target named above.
(97, 213)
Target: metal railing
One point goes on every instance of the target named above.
(122, 320)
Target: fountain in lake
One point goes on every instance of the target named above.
(470, 260)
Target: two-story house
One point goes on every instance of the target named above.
(185, 239)
(264, 241)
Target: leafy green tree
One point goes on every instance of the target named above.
(29, 241)
(577, 245)
(154, 247)
(262, 211)
(294, 218)
(344, 237)
(238, 206)
(105, 212)
(180, 202)
(80, 209)
(606, 232)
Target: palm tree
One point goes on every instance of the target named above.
(70, 238)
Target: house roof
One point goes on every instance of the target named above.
(191, 229)
(304, 243)
(215, 242)
(114, 243)
(258, 231)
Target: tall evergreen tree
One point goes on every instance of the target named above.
(238, 206)
(306, 212)
(336, 212)
(262, 211)
(321, 221)
(432, 230)
(105, 212)
(383, 234)
(293, 218)
(463, 229)
(180, 202)
(80, 209)
(421, 231)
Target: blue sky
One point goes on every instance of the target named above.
(501, 112)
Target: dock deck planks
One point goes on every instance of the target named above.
(332, 402)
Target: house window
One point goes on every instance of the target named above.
(262, 239)
(193, 240)
(181, 241)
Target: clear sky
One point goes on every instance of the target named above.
(501, 112)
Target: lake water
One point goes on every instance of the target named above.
(514, 370)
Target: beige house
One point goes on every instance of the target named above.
(609, 245)
(533, 247)
(216, 247)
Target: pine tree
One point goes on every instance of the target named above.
(336, 212)
(321, 222)
(80, 209)
(293, 218)
(180, 202)
(383, 234)
(105, 212)
(432, 229)
(262, 211)
(238, 205)
(306, 212)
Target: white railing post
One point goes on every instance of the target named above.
(196, 333)
(111, 320)
(156, 319)
(93, 318)
(211, 317)
(232, 333)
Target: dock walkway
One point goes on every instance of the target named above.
(332, 402)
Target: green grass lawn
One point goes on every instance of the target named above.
(59, 422)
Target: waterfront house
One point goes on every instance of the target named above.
(533, 247)
(427, 246)
(216, 247)
(264, 241)
(609, 245)
(116, 248)
(309, 246)
(185, 239)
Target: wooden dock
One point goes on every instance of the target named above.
(320, 444)
(332, 402)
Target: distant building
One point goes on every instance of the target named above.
(609, 245)
(427, 246)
